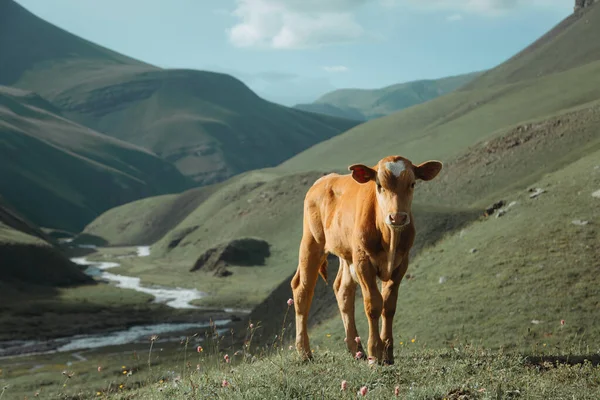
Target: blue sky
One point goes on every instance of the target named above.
(293, 51)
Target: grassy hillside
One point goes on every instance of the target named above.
(366, 104)
(533, 267)
(209, 125)
(62, 175)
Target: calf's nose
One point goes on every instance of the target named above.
(400, 218)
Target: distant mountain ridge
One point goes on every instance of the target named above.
(366, 104)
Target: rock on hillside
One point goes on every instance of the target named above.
(238, 252)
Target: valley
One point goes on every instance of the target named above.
(150, 220)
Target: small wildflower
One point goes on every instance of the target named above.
(290, 302)
(359, 354)
(412, 340)
(291, 347)
(98, 393)
(125, 372)
(153, 338)
(99, 368)
(344, 385)
(121, 386)
(199, 349)
(401, 343)
(544, 344)
(328, 335)
(226, 358)
(562, 321)
(363, 391)
(224, 383)
(251, 326)
(397, 391)
(161, 381)
(123, 367)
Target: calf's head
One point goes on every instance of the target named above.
(393, 180)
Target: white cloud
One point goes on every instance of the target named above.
(287, 24)
(454, 17)
(335, 68)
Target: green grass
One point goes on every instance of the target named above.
(460, 371)
(366, 104)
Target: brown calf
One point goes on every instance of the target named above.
(365, 219)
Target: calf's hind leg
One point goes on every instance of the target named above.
(310, 258)
(344, 288)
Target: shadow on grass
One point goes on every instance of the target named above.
(545, 362)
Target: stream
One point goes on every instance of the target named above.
(178, 298)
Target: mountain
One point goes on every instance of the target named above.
(61, 175)
(209, 125)
(366, 104)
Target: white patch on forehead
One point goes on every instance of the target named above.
(395, 167)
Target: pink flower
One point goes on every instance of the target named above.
(397, 391)
(224, 383)
(226, 358)
(357, 339)
(99, 368)
(363, 391)
(290, 302)
(199, 349)
(359, 354)
(344, 385)
(251, 326)
(562, 321)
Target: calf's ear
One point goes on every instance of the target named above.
(361, 173)
(428, 170)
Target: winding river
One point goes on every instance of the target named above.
(179, 298)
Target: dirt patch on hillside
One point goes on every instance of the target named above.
(238, 252)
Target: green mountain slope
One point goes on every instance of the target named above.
(445, 126)
(365, 104)
(209, 125)
(62, 175)
(569, 44)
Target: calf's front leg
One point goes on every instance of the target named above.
(373, 303)
(389, 291)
